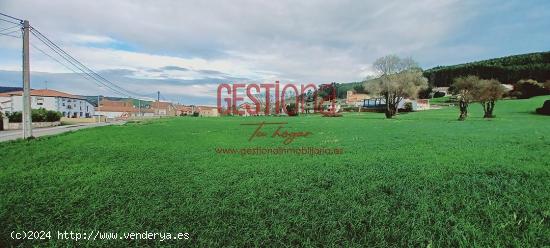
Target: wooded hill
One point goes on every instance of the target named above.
(507, 70)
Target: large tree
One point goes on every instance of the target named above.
(464, 87)
(487, 92)
(399, 79)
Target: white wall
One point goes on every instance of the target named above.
(67, 106)
(5, 104)
(109, 114)
(70, 107)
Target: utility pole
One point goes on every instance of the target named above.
(98, 115)
(139, 100)
(27, 120)
(158, 102)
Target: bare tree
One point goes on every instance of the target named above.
(399, 79)
(487, 92)
(464, 87)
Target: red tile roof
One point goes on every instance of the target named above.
(183, 108)
(120, 106)
(161, 105)
(43, 92)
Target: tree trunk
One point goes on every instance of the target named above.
(489, 107)
(389, 110)
(463, 110)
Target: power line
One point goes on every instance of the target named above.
(12, 22)
(91, 73)
(17, 19)
(82, 74)
(77, 66)
(86, 71)
(10, 35)
(11, 32)
(56, 60)
(5, 29)
(73, 61)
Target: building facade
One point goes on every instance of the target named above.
(355, 99)
(70, 106)
(121, 110)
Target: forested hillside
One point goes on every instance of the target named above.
(506, 69)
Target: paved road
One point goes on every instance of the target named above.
(37, 132)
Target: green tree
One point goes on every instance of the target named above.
(487, 92)
(399, 79)
(464, 87)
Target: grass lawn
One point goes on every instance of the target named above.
(423, 179)
(444, 100)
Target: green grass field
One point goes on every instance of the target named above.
(423, 179)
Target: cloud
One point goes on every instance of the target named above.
(298, 40)
(91, 39)
(173, 68)
(205, 42)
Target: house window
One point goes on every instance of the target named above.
(40, 101)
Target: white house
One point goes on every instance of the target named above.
(68, 105)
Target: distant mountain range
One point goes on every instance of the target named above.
(9, 89)
(135, 102)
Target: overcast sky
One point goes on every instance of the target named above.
(185, 48)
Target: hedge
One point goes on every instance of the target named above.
(37, 115)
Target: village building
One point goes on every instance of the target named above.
(380, 103)
(182, 110)
(355, 99)
(121, 109)
(163, 108)
(442, 90)
(207, 111)
(70, 106)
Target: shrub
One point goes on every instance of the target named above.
(52, 116)
(195, 114)
(545, 109)
(439, 94)
(15, 117)
(527, 88)
(425, 93)
(408, 107)
(291, 109)
(37, 115)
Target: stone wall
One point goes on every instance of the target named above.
(19, 125)
(81, 120)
